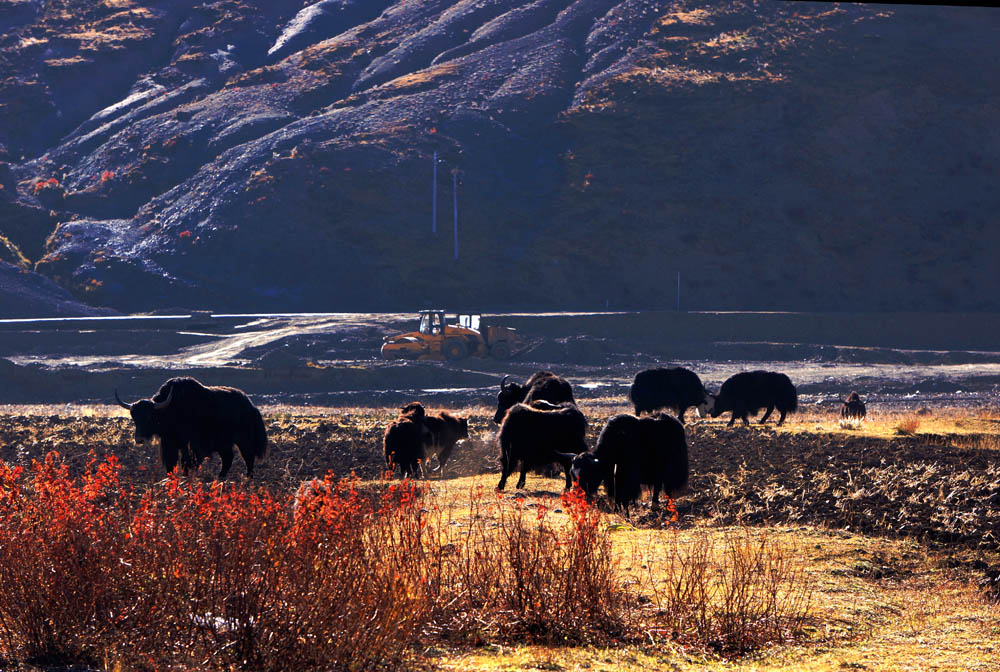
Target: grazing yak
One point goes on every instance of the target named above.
(750, 391)
(677, 388)
(543, 385)
(632, 452)
(853, 407)
(407, 439)
(186, 414)
(403, 442)
(540, 436)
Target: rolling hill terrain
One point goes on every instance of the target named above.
(278, 156)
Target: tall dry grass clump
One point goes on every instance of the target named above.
(514, 573)
(907, 426)
(733, 596)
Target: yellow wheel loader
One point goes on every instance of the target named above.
(434, 339)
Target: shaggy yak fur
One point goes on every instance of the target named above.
(853, 407)
(677, 388)
(632, 452)
(444, 430)
(193, 421)
(543, 385)
(750, 391)
(536, 437)
(407, 439)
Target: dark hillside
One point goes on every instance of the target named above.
(255, 156)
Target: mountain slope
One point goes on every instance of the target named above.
(270, 156)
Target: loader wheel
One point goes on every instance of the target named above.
(500, 350)
(455, 349)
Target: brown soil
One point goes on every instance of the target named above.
(944, 488)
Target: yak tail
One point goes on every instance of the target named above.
(795, 400)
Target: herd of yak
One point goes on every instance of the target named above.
(539, 422)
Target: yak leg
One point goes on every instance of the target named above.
(656, 494)
(732, 419)
(249, 459)
(680, 413)
(524, 474)
(609, 483)
(781, 418)
(227, 461)
(443, 456)
(567, 466)
(189, 458)
(624, 507)
(767, 414)
(184, 449)
(506, 469)
(169, 453)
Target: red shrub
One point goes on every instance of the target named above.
(217, 576)
(337, 576)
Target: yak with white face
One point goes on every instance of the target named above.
(193, 421)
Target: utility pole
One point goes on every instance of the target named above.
(434, 198)
(454, 205)
(678, 291)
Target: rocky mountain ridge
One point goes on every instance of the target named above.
(277, 156)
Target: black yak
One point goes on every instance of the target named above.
(537, 437)
(853, 407)
(403, 442)
(632, 452)
(543, 385)
(750, 391)
(186, 414)
(677, 388)
(407, 439)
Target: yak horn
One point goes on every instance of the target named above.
(503, 383)
(120, 402)
(160, 405)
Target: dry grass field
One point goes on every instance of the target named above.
(820, 545)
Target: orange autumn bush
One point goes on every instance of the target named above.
(183, 575)
(217, 576)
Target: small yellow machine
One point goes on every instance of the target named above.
(436, 340)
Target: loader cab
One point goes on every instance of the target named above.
(431, 322)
